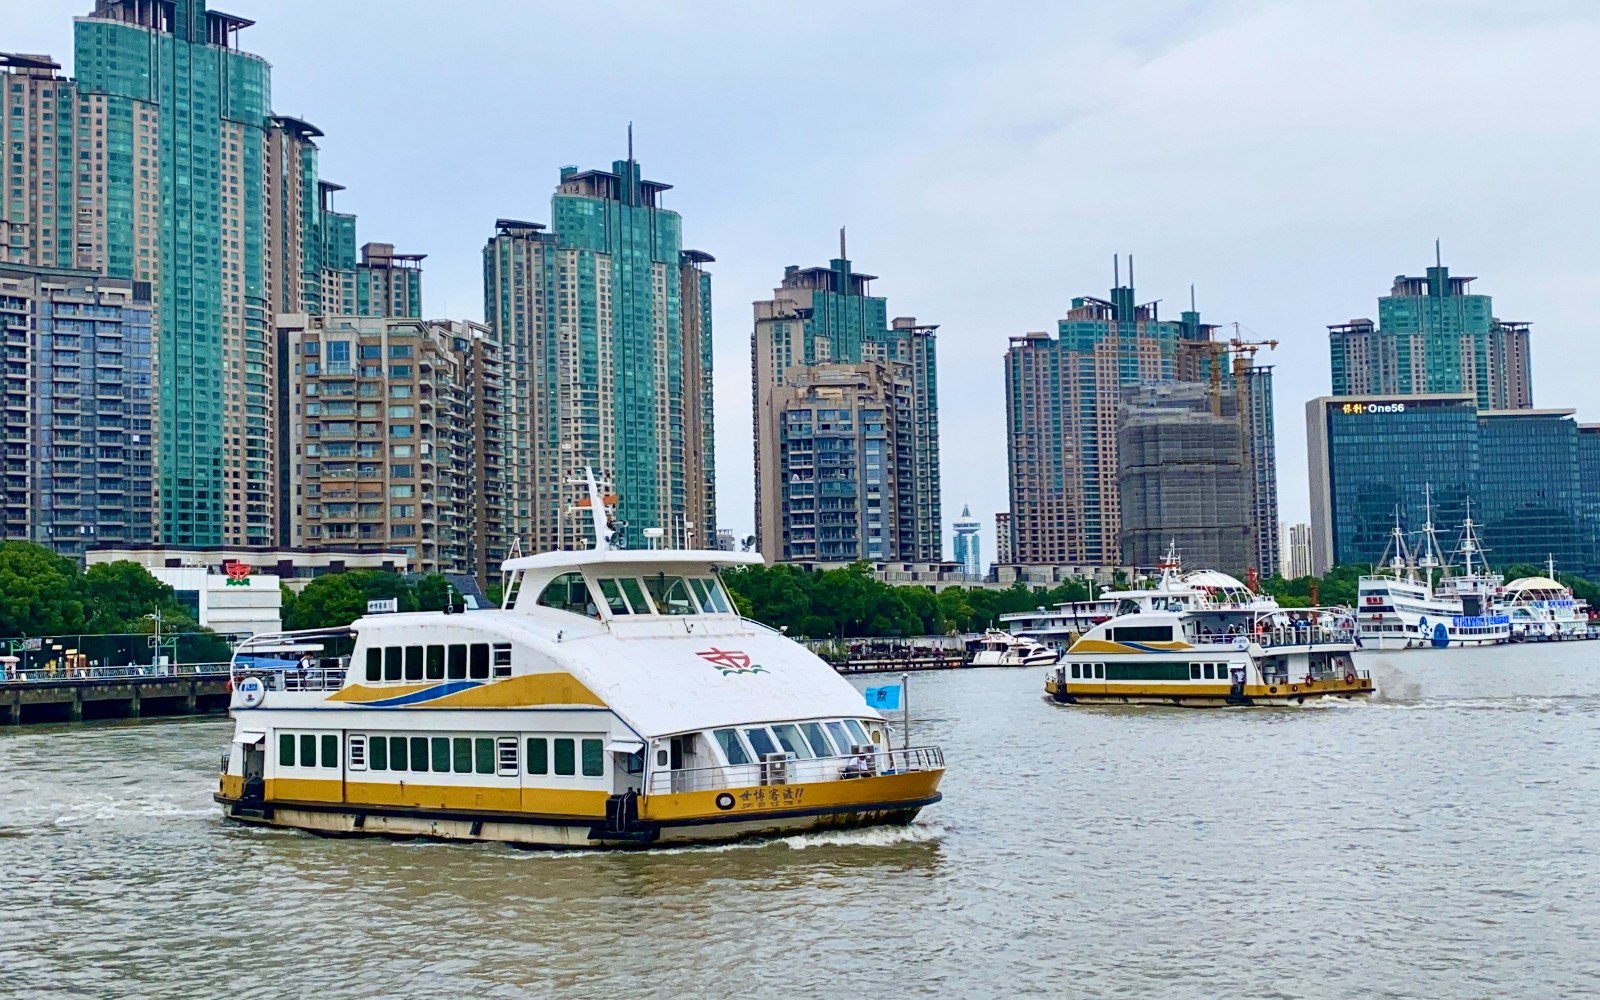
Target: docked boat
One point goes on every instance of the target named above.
(1398, 607)
(997, 648)
(1178, 645)
(615, 699)
(1541, 608)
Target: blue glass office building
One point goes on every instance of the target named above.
(1372, 458)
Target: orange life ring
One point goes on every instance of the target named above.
(228, 687)
(1350, 678)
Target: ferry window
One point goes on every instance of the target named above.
(789, 736)
(1100, 671)
(480, 661)
(502, 659)
(285, 750)
(1142, 633)
(671, 594)
(413, 663)
(374, 664)
(613, 597)
(392, 658)
(568, 592)
(1075, 671)
(358, 752)
(380, 754)
(709, 595)
(732, 747)
(594, 758)
(484, 755)
(633, 763)
(817, 738)
(856, 732)
(435, 663)
(841, 739)
(1194, 671)
(330, 750)
(760, 742)
(397, 753)
(1205, 671)
(635, 595)
(462, 755)
(538, 755)
(419, 753)
(308, 750)
(566, 761)
(440, 748)
(506, 746)
(458, 662)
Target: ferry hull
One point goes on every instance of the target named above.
(1254, 695)
(676, 819)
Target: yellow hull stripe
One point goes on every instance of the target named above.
(1102, 646)
(580, 803)
(527, 691)
(885, 790)
(1185, 689)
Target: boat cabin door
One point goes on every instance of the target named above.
(678, 749)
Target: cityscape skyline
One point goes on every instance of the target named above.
(1285, 276)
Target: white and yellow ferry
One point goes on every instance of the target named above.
(1210, 642)
(616, 699)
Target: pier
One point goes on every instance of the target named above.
(115, 693)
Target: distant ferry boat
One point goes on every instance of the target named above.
(616, 699)
(1400, 609)
(1209, 646)
(1542, 608)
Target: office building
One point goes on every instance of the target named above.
(1524, 472)
(162, 164)
(605, 321)
(1183, 478)
(1434, 336)
(394, 438)
(823, 326)
(966, 547)
(1296, 542)
(76, 405)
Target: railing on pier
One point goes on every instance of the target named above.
(792, 770)
(16, 675)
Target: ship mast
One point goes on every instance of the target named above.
(1430, 560)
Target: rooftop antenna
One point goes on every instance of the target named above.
(1191, 297)
(1116, 271)
(1438, 259)
(630, 142)
(1130, 270)
(842, 255)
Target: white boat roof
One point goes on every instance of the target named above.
(576, 558)
(1214, 579)
(1534, 583)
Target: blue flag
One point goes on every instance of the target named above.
(887, 696)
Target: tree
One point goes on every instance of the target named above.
(119, 594)
(41, 593)
(330, 601)
(433, 593)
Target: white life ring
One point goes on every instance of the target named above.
(252, 692)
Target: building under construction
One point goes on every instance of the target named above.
(1184, 477)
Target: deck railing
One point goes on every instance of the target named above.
(292, 679)
(1315, 635)
(792, 770)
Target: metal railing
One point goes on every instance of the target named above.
(14, 675)
(1316, 635)
(792, 770)
(293, 679)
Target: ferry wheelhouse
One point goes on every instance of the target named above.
(615, 699)
(1210, 646)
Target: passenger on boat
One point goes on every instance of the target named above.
(857, 767)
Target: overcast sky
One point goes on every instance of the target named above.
(1288, 158)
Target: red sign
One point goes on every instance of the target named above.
(730, 661)
(238, 573)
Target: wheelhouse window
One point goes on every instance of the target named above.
(817, 738)
(841, 739)
(671, 594)
(568, 592)
(611, 592)
(635, 595)
(732, 747)
(709, 593)
(789, 737)
(760, 742)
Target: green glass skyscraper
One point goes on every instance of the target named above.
(606, 322)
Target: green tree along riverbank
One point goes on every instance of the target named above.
(45, 595)
(337, 599)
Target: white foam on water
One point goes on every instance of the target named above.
(876, 836)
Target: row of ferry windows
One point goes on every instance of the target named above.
(456, 661)
(804, 740)
(559, 755)
(668, 595)
(1148, 671)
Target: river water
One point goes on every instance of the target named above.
(1440, 841)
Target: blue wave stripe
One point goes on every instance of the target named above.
(426, 694)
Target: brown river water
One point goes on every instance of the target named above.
(1440, 841)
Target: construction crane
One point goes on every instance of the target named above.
(1244, 358)
(1189, 352)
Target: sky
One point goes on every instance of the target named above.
(1288, 159)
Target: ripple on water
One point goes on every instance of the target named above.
(1436, 841)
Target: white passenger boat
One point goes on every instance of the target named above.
(615, 699)
(1543, 608)
(996, 648)
(1178, 644)
(1399, 608)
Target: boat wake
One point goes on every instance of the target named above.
(877, 836)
